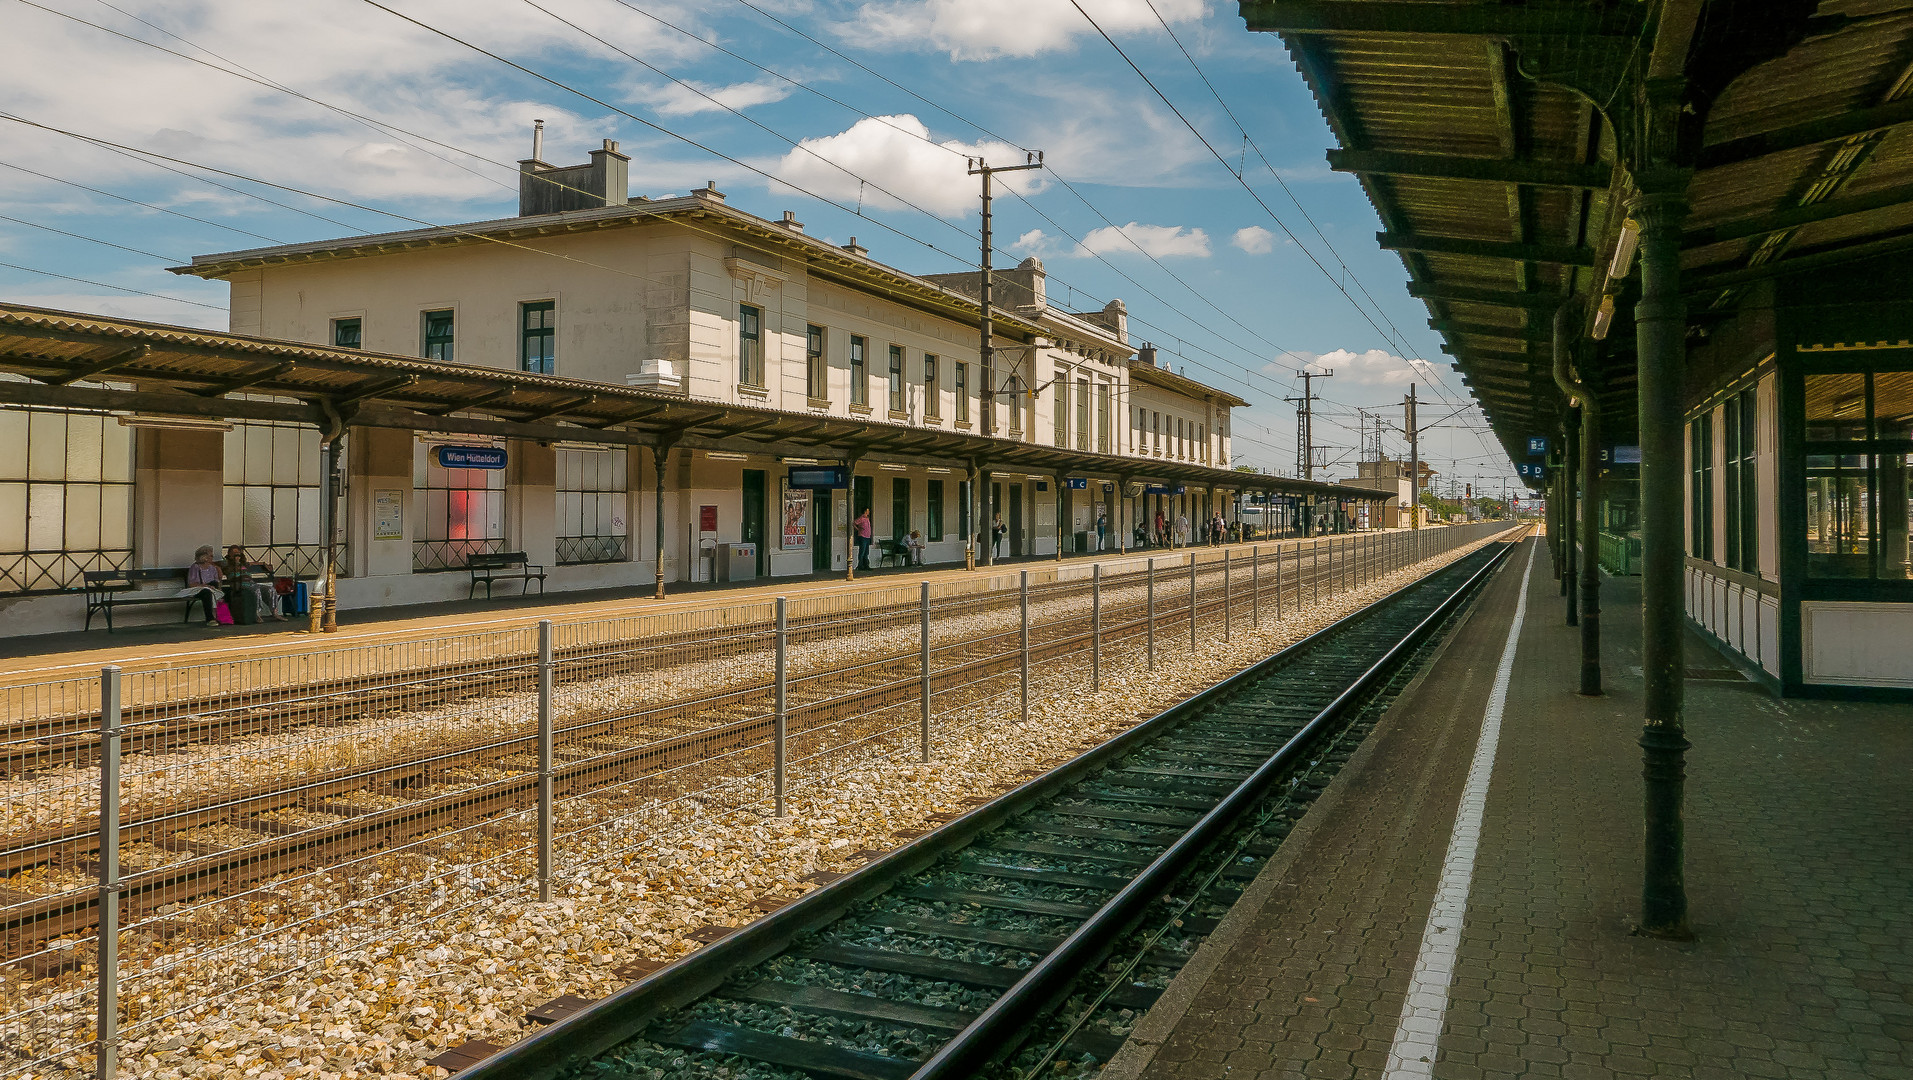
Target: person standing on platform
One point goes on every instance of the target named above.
(1162, 529)
(1102, 527)
(1182, 529)
(998, 531)
(863, 539)
(1216, 528)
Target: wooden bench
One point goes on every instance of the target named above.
(109, 589)
(495, 566)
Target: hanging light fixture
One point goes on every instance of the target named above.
(1602, 317)
(1624, 247)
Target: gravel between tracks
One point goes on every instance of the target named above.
(423, 972)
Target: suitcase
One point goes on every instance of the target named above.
(299, 600)
(244, 601)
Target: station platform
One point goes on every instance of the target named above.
(1799, 879)
(170, 643)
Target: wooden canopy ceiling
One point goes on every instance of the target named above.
(1493, 139)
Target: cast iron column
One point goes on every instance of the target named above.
(660, 457)
(1570, 455)
(1590, 546)
(1661, 328)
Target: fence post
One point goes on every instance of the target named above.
(1225, 594)
(108, 954)
(1095, 627)
(1024, 636)
(923, 660)
(1149, 614)
(780, 708)
(544, 759)
(1315, 564)
(1192, 601)
(1255, 587)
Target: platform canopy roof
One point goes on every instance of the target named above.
(1501, 143)
(62, 359)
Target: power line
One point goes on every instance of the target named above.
(108, 285)
(136, 202)
(88, 239)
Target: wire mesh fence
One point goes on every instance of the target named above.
(230, 835)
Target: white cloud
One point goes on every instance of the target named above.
(1254, 239)
(1372, 368)
(896, 154)
(674, 99)
(1162, 241)
(993, 29)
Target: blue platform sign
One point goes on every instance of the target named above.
(1163, 489)
(469, 457)
(1621, 455)
(820, 477)
(1076, 483)
(1537, 446)
(1533, 471)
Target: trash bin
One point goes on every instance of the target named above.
(736, 562)
(1082, 540)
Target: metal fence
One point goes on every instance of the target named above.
(191, 849)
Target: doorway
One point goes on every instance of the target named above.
(1016, 519)
(753, 525)
(822, 539)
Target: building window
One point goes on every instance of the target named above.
(1102, 418)
(538, 327)
(750, 345)
(1013, 394)
(966, 500)
(1741, 482)
(1859, 472)
(1202, 442)
(1082, 414)
(272, 504)
(1700, 458)
(816, 370)
(347, 333)
(591, 503)
(66, 498)
(1061, 408)
(859, 372)
(456, 513)
(1155, 421)
(932, 393)
(933, 519)
(438, 336)
(962, 388)
(896, 379)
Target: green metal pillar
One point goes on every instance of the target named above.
(1661, 327)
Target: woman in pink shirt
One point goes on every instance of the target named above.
(202, 581)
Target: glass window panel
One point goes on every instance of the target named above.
(258, 454)
(1836, 407)
(234, 451)
(285, 517)
(460, 514)
(433, 515)
(568, 514)
(1896, 510)
(1839, 526)
(255, 525)
(1893, 405)
(46, 514)
(232, 516)
(82, 518)
(13, 517)
(46, 445)
(421, 465)
(620, 461)
(116, 455)
(310, 506)
(116, 517)
(83, 448)
(309, 466)
(13, 444)
(285, 456)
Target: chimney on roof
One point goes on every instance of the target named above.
(790, 222)
(555, 189)
(855, 248)
(1147, 354)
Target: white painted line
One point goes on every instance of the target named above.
(1418, 1036)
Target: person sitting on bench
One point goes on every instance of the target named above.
(246, 574)
(202, 581)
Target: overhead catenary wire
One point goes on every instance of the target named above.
(108, 285)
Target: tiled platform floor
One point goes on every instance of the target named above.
(1799, 874)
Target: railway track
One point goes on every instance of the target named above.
(72, 739)
(1027, 935)
(391, 803)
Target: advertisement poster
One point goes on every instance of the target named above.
(796, 519)
(388, 515)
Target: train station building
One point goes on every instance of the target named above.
(620, 389)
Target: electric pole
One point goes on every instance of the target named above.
(986, 359)
(1414, 458)
(1305, 423)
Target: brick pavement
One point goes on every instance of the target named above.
(1799, 870)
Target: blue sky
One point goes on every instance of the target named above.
(1238, 293)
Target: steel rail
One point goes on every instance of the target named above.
(628, 1012)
